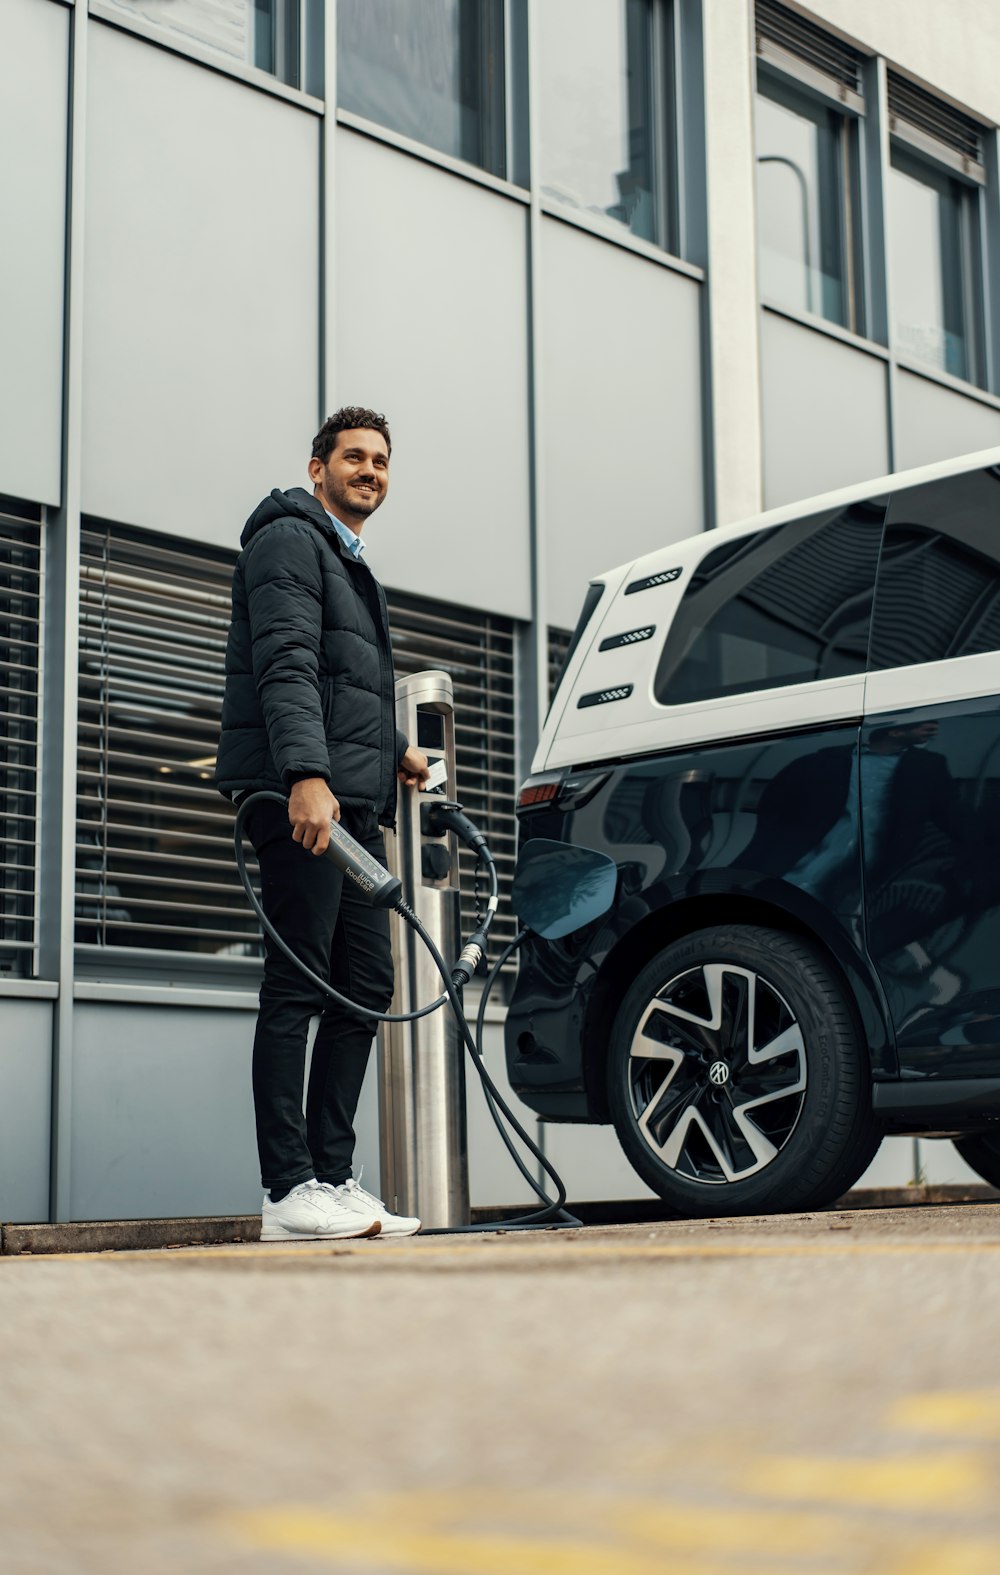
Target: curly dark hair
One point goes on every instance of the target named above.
(347, 419)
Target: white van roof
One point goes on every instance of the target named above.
(580, 728)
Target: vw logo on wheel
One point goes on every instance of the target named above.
(718, 1073)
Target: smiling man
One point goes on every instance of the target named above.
(309, 710)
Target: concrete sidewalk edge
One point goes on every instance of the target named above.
(129, 1235)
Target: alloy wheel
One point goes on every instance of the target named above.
(717, 1073)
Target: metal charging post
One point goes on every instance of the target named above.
(423, 1140)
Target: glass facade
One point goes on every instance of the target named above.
(600, 151)
(805, 185)
(266, 34)
(433, 72)
(934, 240)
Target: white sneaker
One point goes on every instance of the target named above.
(364, 1205)
(309, 1211)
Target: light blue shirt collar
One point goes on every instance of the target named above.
(353, 543)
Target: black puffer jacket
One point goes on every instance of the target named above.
(309, 681)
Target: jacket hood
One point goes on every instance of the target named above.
(280, 505)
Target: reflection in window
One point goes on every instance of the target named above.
(261, 33)
(598, 143)
(784, 606)
(433, 72)
(939, 578)
(934, 242)
(805, 193)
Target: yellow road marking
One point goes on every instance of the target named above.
(965, 1414)
(364, 1540)
(496, 1533)
(912, 1482)
(953, 1556)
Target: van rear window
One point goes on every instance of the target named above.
(784, 606)
(939, 579)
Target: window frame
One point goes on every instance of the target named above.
(790, 83)
(307, 92)
(916, 154)
(665, 146)
(503, 142)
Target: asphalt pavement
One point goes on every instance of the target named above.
(796, 1395)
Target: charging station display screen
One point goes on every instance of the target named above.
(430, 730)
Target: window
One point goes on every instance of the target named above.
(559, 641)
(281, 37)
(808, 182)
(605, 131)
(939, 578)
(477, 649)
(933, 199)
(154, 853)
(433, 72)
(784, 606)
(20, 616)
(934, 235)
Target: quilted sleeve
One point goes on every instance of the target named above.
(284, 586)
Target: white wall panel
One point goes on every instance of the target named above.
(34, 54)
(621, 410)
(162, 1121)
(201, 292)
(934, 422)
(25, 1108)
(430, 283)
(824, 409)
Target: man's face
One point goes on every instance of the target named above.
(355, 478)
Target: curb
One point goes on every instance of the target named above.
(130, 1235)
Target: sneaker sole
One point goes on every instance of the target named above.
(279, 1233)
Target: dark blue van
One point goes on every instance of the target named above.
(786, 734)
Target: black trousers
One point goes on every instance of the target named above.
(329, 925)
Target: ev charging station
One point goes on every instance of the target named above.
(423, 1138)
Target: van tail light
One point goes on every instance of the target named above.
(570, 789)
(537, 791)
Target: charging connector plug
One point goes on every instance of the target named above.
(441, 816)
(470, 961)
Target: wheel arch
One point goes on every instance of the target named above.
(677, 919)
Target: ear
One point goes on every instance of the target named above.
(316, 468)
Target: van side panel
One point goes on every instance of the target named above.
(930, 791)
(772, 824)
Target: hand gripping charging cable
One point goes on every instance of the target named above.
(384, 890)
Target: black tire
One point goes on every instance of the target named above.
(678, 1111)
(982, 1152)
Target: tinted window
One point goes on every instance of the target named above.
(782, 607)
(939, 579)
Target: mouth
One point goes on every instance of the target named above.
(363, 486)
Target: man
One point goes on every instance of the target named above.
(309, 710)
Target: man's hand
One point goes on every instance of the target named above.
(311, 807)
(413, 768)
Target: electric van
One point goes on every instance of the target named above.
(786, 734)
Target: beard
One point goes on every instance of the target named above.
(341, 500)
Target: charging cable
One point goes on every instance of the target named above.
(382, 889)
